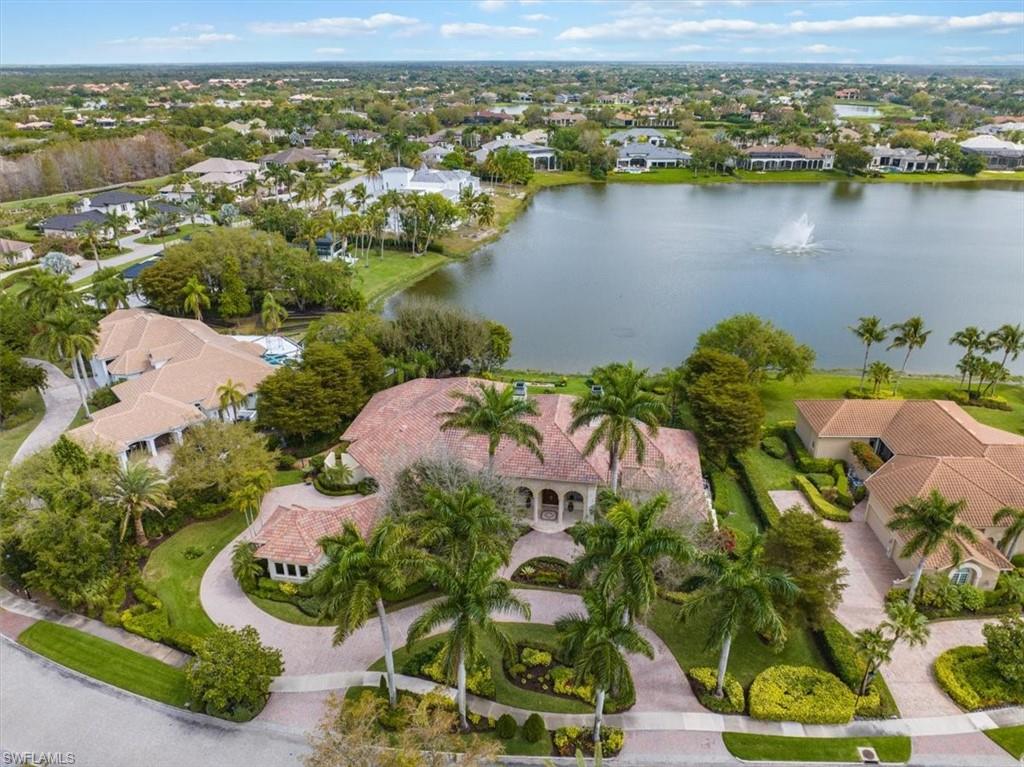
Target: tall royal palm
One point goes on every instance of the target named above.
(931, 523)
(496, 414)
(869, 330)
(595, 644)
(462, 525)
(473, 595)
(621, 550)
(69, 336)
(138, 488)
(739, 591)
(1009, 339)
(1014, 520)
(358, 573)
(910, 335)
(970, 338)
(620, 409)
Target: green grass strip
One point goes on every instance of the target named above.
(779, 748)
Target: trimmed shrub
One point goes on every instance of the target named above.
(429, 664)
(994, 402)
(531, 656)
(568, 740)
(841, 651)
(822, 481)
(704, 680)
(534, 729)
(367, 486)
(866, 456)
(774, 446)
(1017, 560)
(757, 493)
(818, 502)
(969, 677)
(804, 461)
(507, 727)
(800, 694)
(844, 497)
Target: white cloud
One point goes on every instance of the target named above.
(473, 29)
(336, 26)
(651, 27)
(190, 27)
(490, 6)
(796, 13)
(820, 48)
(536, 17)
(175, 42)
(695, 48)
(965, 48)
(754, 49)
(329, 51)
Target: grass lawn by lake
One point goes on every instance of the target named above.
(380, 278)
(749, 655)
(517, 746)
(1010, 739)
(778, 748)
(26, 416)
(175, 579)
(505, 691)
(107, 662)
(732, 504)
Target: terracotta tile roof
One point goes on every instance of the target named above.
(292, 533)
(401, 424)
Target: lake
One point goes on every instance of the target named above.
(592, 274)
(855, 110)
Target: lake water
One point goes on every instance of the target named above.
(855, 110)
(592, 274)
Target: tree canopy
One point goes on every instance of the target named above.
(765, 348)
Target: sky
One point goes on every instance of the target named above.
(958, 32)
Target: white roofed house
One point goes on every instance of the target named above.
(638, 135)
(905, 159)
(998, 153)
(647, 156)
(166, 373)
(542, 157)
(15, 252)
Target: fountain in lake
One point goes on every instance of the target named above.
(796, 236)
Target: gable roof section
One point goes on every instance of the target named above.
(292, 533)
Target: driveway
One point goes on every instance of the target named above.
(62, 401)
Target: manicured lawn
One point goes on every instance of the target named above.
(778, 396)
(1010, 739)
(26, 416)
(517, 746)
(776, 473)
(576, 383)
(287, 477)
(175, 578)
(107, 662)
(749, 655)
(399, 269)
(505, 691)
(732, 504)
(285, 611)
(182, 231)
(80, 419)
(777, 748)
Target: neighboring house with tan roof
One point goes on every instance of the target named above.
(165, 372)
(926, 445)
(15, 252)
(403, 424)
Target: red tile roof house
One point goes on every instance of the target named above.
(926, 445)
(403, 424)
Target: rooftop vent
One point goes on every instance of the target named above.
(868, 755)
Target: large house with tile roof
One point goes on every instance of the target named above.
(403, 424)
(926, 445)
(165, 372)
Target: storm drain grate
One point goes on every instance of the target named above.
(868, 755)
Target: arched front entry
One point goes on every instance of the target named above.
(525, 497)
(549, 510)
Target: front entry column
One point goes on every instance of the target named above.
(536, 505)
(151, 446)
(561, 507)
(177, 436)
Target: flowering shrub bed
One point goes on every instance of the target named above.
(429, 664)
(704, 680)
(568, 739)
(539, 670)
(800, 694)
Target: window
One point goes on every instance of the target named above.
(303, 571)
(291, 570)
(278, 568)
(962, 576)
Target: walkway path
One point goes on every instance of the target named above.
(62, 401)
(11, 605)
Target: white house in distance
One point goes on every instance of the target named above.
(926, 445)
(214, 171)
(646, 156)
(999, 154)
(638, 135)
(787, 157)
(15, 252)
(542, 157)
(165, 372)
(125, 203)
(401, 425)
(905, 159)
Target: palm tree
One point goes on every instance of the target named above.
(910, 335)
(109, 290)
(1009, 339)
(970, 338)
(116, 223)
(272, 314)
(45, 292)
(1014, 519)
(195, 298)
(619, 408)
(252, 186)
(622, 550)
(870, 331)
(880, 373)
(496, 414)
(231, 394)
(595, 643)
(358, 572)
(244, 566)
(931, 523)
(462, 525)
(66, 334)
(248, 496)
(90, 232)
(138, 488)
(739, 591)
(472, 595)
(339, 199)
(903, 624)
(194, 207)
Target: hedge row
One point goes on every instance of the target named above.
(803, 460)
(841, 651)
(757, 492)
(704, 680)
(824, 508)
(800, 694)
(972, 681)
(844, 497)
(148, 619)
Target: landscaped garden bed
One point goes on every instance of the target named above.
(568, 740)
(541, 670)
(801, 694)
(971, 679)
(704, 680)
(545, 572)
